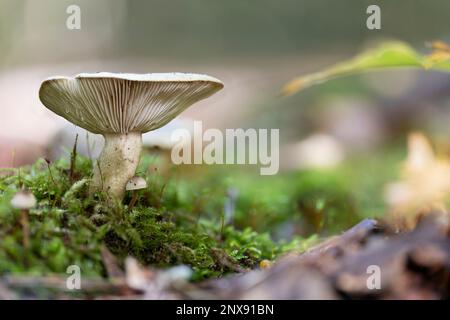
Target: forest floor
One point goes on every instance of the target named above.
(299, 236)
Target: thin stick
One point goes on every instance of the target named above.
(100, 171)
(222, 225)
(50, 172)
(19, 177)
(24, 221)
(73, 158)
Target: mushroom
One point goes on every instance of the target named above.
(122, 107)
(24, 200)
(135, 184)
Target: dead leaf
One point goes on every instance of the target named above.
(424, 184)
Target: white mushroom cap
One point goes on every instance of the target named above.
(136, 183)
(23, 200)
(121, 102)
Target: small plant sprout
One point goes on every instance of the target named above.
(135, 184)
(230, 205)
(122, 107)
(24, 200)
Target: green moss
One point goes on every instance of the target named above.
(179, 218)
(172, 223)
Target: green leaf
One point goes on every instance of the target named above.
(386, 55)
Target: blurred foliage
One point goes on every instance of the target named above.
(202, 29)
(384, 56)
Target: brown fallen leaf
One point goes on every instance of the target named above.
(424, 184)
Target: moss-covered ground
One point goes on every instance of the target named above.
(181, 218)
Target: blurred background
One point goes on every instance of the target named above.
(357, 124)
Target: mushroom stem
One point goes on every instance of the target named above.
(117, 163)
(26, 228)
(133, 200)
